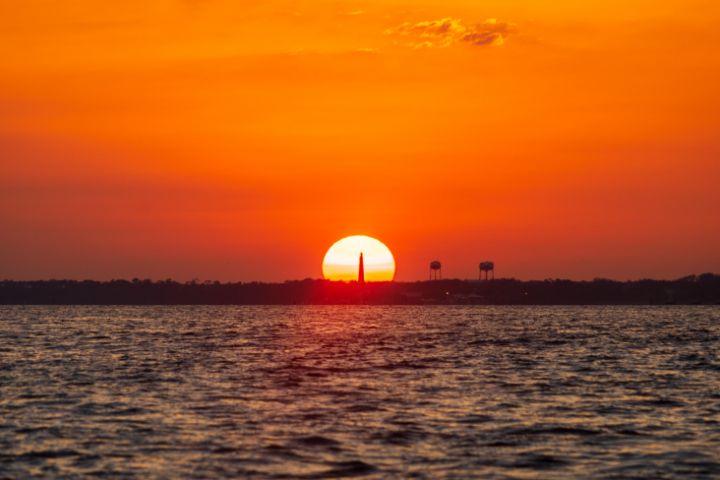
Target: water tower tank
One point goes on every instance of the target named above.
(435, 270)
(487, 267)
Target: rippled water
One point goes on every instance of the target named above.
(379, 392)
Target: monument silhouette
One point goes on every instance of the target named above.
(361, 270)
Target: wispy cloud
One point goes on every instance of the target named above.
(448, 31)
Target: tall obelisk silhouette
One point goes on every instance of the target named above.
(361, 270)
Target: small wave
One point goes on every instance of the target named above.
(502, 443)
(284, 452)
(631, 432)
(400, 437)
(475, 419)
(539, 462)
(48, 454)
(354, 468)
(363, 407)
(225, 450)
(405, 365)
(86, 461)
(312, 416)
(660, 402)
(579, 431)
(317, 441)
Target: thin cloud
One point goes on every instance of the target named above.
(449, 31)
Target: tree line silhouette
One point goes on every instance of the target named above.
(694, 289)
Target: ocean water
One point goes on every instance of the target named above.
(360, 391)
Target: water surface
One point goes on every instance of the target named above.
(371, 392)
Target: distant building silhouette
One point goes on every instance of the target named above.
(361, 270)
(435, 270)
(487, 267)
(691, 290)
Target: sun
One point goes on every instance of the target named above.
(341, 261)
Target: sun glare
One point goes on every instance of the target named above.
(341, 261)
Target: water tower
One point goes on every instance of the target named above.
(487, 267)
(435, 270)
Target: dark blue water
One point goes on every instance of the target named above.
(375, 392)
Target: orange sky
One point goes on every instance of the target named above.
(218, 139)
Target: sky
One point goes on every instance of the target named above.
(218, 139)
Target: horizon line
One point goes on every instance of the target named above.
(197, 281)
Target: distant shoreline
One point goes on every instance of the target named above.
(692, 290)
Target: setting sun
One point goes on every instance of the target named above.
(341, 261)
